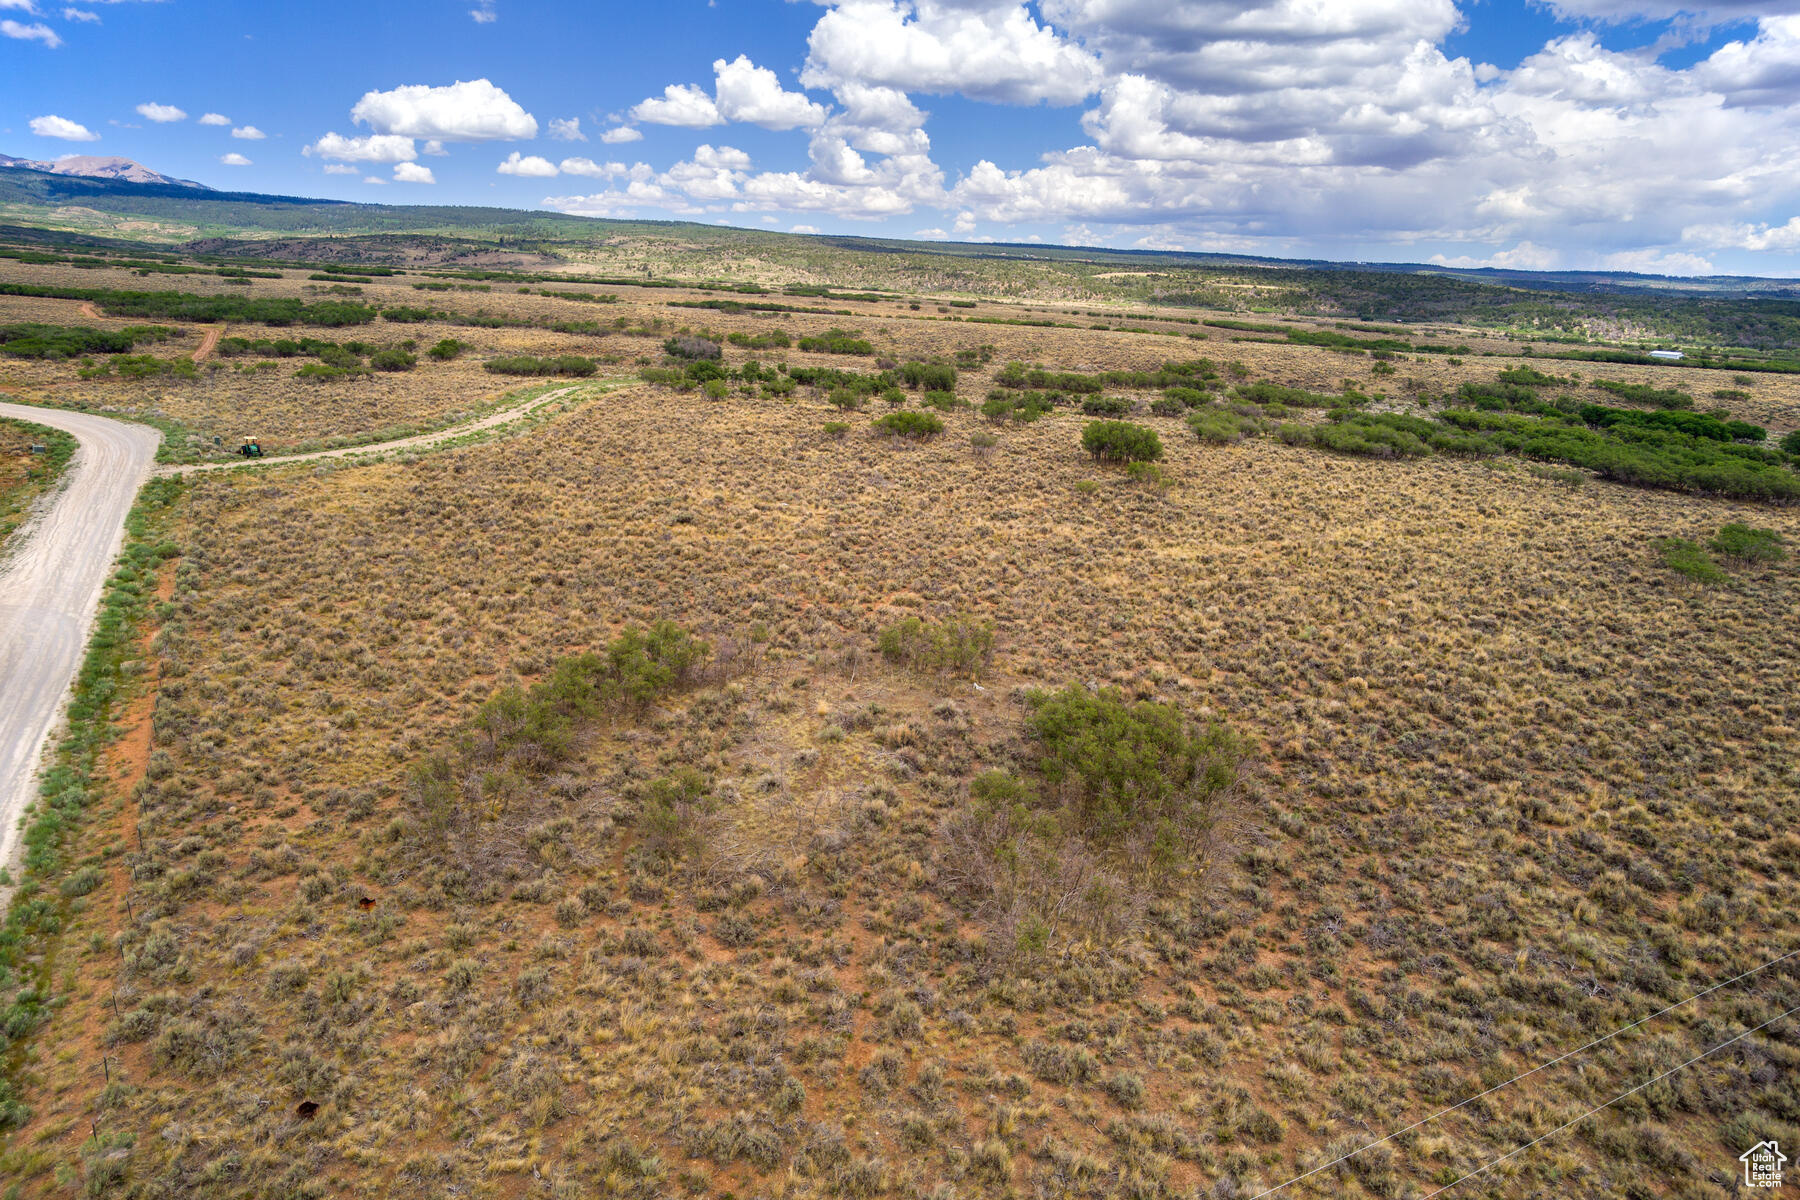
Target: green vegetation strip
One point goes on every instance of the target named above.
(46, 469)
(38, 910)
(141, 266)
(185, 306)
(33, 340)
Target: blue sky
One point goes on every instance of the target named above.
(1581, 134)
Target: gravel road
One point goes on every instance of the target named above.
(50, 588)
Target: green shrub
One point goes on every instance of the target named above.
(910, 423)
(1529, 377)
(1135, 805)
(1745, 544)
(1106, 406)
(185, 306)
(837, 428)
(693, 348)
(1702, 425)
(837, 341)
(327, 372)
(940, 377)
(82, 881)
(960, 645)
(393, 360)
(31, 340)
(774, 339)
(1689, 559)
(1384, 435)
(669, 815)
(525, 364)
(1643, 393)
(446, 349)
(403, 314)
(1150, 475)
(844, 398)
(142, 366)
(1137, 778)
(1790, 444)
(942, 401)
(1126, 1089)
(1217, 426)
(1270, 393)
(522, 733)
(1121, 441)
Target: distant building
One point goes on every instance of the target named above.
(1667, 355)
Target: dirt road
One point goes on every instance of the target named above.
(209, 343)
(51, 585)
(50, 588)
(505, 416)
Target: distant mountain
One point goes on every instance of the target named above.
(100, 167)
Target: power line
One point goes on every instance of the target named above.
(1527, 1074)
(1590, 1112)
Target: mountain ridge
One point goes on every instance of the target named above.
(100, 166)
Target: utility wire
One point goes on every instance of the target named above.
(1527, 1074)
(1590, 1112)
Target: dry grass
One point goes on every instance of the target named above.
(1518, 785)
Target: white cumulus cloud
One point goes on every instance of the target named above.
(475, 111)
(752, 94)
(567, 129)
(234, 160)
(681, 104)
(590, 168)
(1273, 126)
(37, 31)
(1757, 238)
(213, 118)
(248, 133)
(162, 114)
(1525, 256)
(376, 148)
(531, 166)
(989, 51)
(411, 172)
(620, 134)
(61, 127)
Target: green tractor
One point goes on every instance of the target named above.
(252, 448)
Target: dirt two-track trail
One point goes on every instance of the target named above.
(51, 582)
(208, 343)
